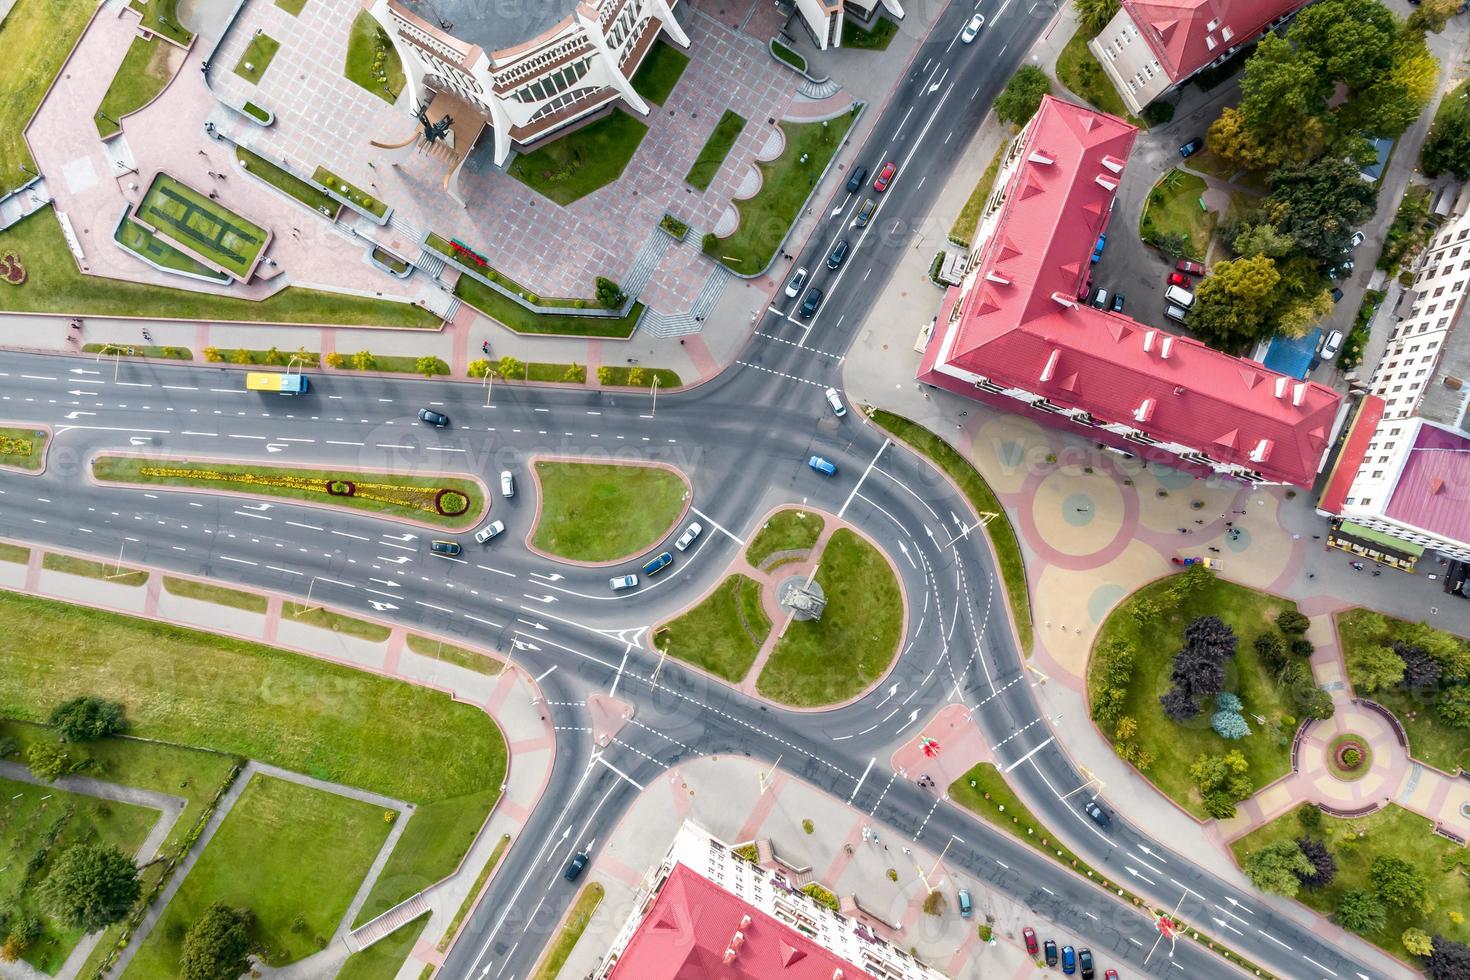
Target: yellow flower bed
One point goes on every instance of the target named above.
(15, 447)
(418, 498)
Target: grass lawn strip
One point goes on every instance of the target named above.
(372, 60)
(968, 221)
(217, 594)
(22, 448)
(350, 191)
(876, 38)
(604, 512)
(207, 228)
(786, 530)
(855, 641)
(110, 571)
(14, 553)
(576, 923)
(474, 893)
(1356, 842)
(145, 70)
(723, 633)
(36, 37)
(659, 73)
(1175, 747)
(786, 182)
(286, 182)
(292, 7)
(1079, 71)
(270, 357)
(116, 350)
(35, 817)
(451, 654)
(384, 958)
(715, 150)
(622, 377)
(291, 854)
(579, 163)
(162, 17)
(259, 54)
(1173, 207)
(337, 623)
(1000, 531)
(411, 497)
(513, 316)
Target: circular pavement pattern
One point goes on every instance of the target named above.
(1077, 510)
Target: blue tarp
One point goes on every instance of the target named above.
(1293, 357)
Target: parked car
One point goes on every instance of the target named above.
(1336, 295)
(489, 531)
(865, 213)
(1189, 268)
(445, 549)
(657, 563)
(575, 866)
(437, 419)
(1331, 344)
(1084, 959)
(622, 582)
(793, 288)
(855, 182)
(1029, 935)
(1098, 814)
(1069, 960)
(1179, 297)
(810, 304)
(835, 400)
(1179, 279)
(966, 907)
(824, 466)
(687, 538)
(507, 484)
(838, 255)
(1341, 270)
(885, 176)
(1176, 313)
(1117, 302)
(1354, 242)
(1050, 947)
(1100, 298)
(1192, 147)
(1110, 975)
(1097, 250)
(972, 29)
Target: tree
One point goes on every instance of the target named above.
(1409, 232)
(1172, 244)
(218, 945)
(1278, 868)
(1229, 725)
(429, 365)
(1220, 805)
(479, 367)
(1319, 203)
(1417, 941)
(91, 886)
(1262, 238)
(240, 356)
(1093, 15)
(1397, 882)
(1292, 621)
(1421, 671)
(1021, 97)
(609, 293)
(1301, 647)
(364, 361)
(1374, 667)
(1324, 865)
(1391, 104)
(1352, 39)
(1449, 960)
(87, 718)
(1230, 307)
(1179, 706)
(1447, 150)
(1309, 816)
(575, 373)
(47, 760)
(1432, 15)
(1283, 100)
(1271, 650)
(213, 355)
(1449, 651)
(1454, 707)
(1360, 911)
(1230, 138)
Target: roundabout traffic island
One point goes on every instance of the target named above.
(603, 513)
(1349, 757)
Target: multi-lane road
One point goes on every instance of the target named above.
(743, 440)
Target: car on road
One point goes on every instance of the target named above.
(658, 563)
(1050, 947)
(1189, 268)
(824, 466)
(1117, 302)
(1192, 147)
(793, 288)
(687, 538)
(885, 176)
(838, 255)
(1029, 935)
(445, 549)
(1179, 279)
(1331, 344)
(436, 419)
(855, 182)
(1336, 295)
(507, 484)
(1100, 298)
(575, 866)
(972, 29)
(865, 213)
(1110, 975)
(1069, 960)
(1098, 814)
(967, 908)
(1097, 250)
(1342, 270)
(1084, 959)
(620, 582)
(1353, 242)
(810, 304)
(489, 531)
(835, 400)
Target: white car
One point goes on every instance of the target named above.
(622, 582)
(797, 281)
(489, 531)
(1331, 345)
(835, 400)
(972, 29)
(687, 538)
(507, 484)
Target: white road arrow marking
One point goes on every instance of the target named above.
(257, 506)
(84, 371)
(913, 717)
(1152, 853)
(401, 537)
(139, 440)
(396, 560)
(78, 391)
(550, 578)
(77, 415)
(1134, 873)
(548, 599)
(275, 447)
(381, 606)
(523, 645)
(532, 623)
(891, 692)
(1225, 925)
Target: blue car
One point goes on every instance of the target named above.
(1192, 147)
(824, 466)
(1097, 249)
(656, 565)
(1069, 960)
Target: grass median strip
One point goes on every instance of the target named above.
(513, 316)
(723, 633)
(450, 502)
(451, 654)
(23, 448)
(605, 511)
(787, 530)
(110, 571)
(217, 594)
(1002, 535)
(474, 893)
(337, 623)
(14, 553)
(286, 182)
(576, 923)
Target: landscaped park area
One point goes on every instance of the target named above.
(202, 227)
(605, 512)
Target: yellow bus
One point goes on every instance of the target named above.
(287, 384)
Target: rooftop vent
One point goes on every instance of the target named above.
(1051, 365)
(1261, 452)
(1298, 393)
(1166, 347)
(1145, 411)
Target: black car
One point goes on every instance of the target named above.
(810, 304)
(1117, 302)
(448, 549)
(839, 254)
(575, 866)
(1084, 960)
(1192, 147)
(1049, 949)
(855, 182)
(437, 419)
(1098, 814)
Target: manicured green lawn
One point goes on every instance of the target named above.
(336, 622)
(723, 633)
(605, 511)
(787, 530)
(788, 55)
(142, 242)
(208, 228)
(1173, 207)
(786, 182)
(855, 641)
(162, 17)
(287, 182)
(876, 38)
(55, 286)
(291, 854)
(1430, 740)
(259, 54)
(36, 37)
(25, 448)
(716, 148)
(111, 571)
(383, 493)
(1002, 535)
(1079, 71)
(34, 816)
(544, 371)
(383, 959)
(451, 654)
(660, 71)
(442, 245)
(968, 221)
(1391, 831)
(622, 377)
(364, 44)
(350, 191)
(217, 594)
(513, 316)
(292, 7)
(1154, 643)
(577, 164)
(576, 923)
(145, 70)
(14, 553)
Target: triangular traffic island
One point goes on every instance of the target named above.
(609, 715)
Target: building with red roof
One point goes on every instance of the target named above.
(1015, 334)
(1152, 46)
(710, 915)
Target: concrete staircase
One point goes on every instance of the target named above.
(692, 320)
(646, 261)
(370, 932)
(817, 91)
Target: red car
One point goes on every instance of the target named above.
(1111, 975)
(1179, 279)
(885, 177)
(1190, 268)
(1029, 934)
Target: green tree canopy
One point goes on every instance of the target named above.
(1093, 15)
(1360, 911)
(87, 718)
(1021, 97)
(91, 886)
(1284, 98)
(1278, 868)
(1397, 882)
(218, 945)
(1448, 148)
(1230, 307)
(1318, 204)
(1374, 667)
(1353, 40)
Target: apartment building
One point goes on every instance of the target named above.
(823, 19)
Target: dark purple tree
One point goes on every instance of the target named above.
(1324, 865)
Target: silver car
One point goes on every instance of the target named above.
(622, 582)
(489, 531)
(687, 538)
(507, 484)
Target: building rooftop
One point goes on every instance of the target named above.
(1433, 488)
(689, 934)
(494, 25)
(1293, 355)
(1186, 35)
(1350, 457)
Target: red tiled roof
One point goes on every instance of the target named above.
(1433, 488)
(1180, 34)
(692, 924)
(1350, 459)
(1021, 326)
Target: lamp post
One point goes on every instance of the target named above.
(653, 391)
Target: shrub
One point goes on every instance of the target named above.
(8, 747)
(609, 293)
(510, 367)
(987, 931)
(1229, 725)
(336, 360)
(1454, 707)
(575, 373)
(364, 361)
(1291, 621)
(1302, 647)
(1417, 941)
(47, 760)
(1360, 911)
(213, 355)
(935, 903)
(1324, 865)
(808, 826)
(240, 356)
(604, 375)
(478, 368)
(673, 226)
(429, 366)
(1309, 816)
(822, 895)
(87, 718)
(1271, 650)
(1158, 113)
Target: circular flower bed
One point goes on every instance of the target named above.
(1348, 757)
(451, 503)
(340, 488)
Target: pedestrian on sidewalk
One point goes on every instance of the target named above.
(1229, 523)
(1198, 521)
